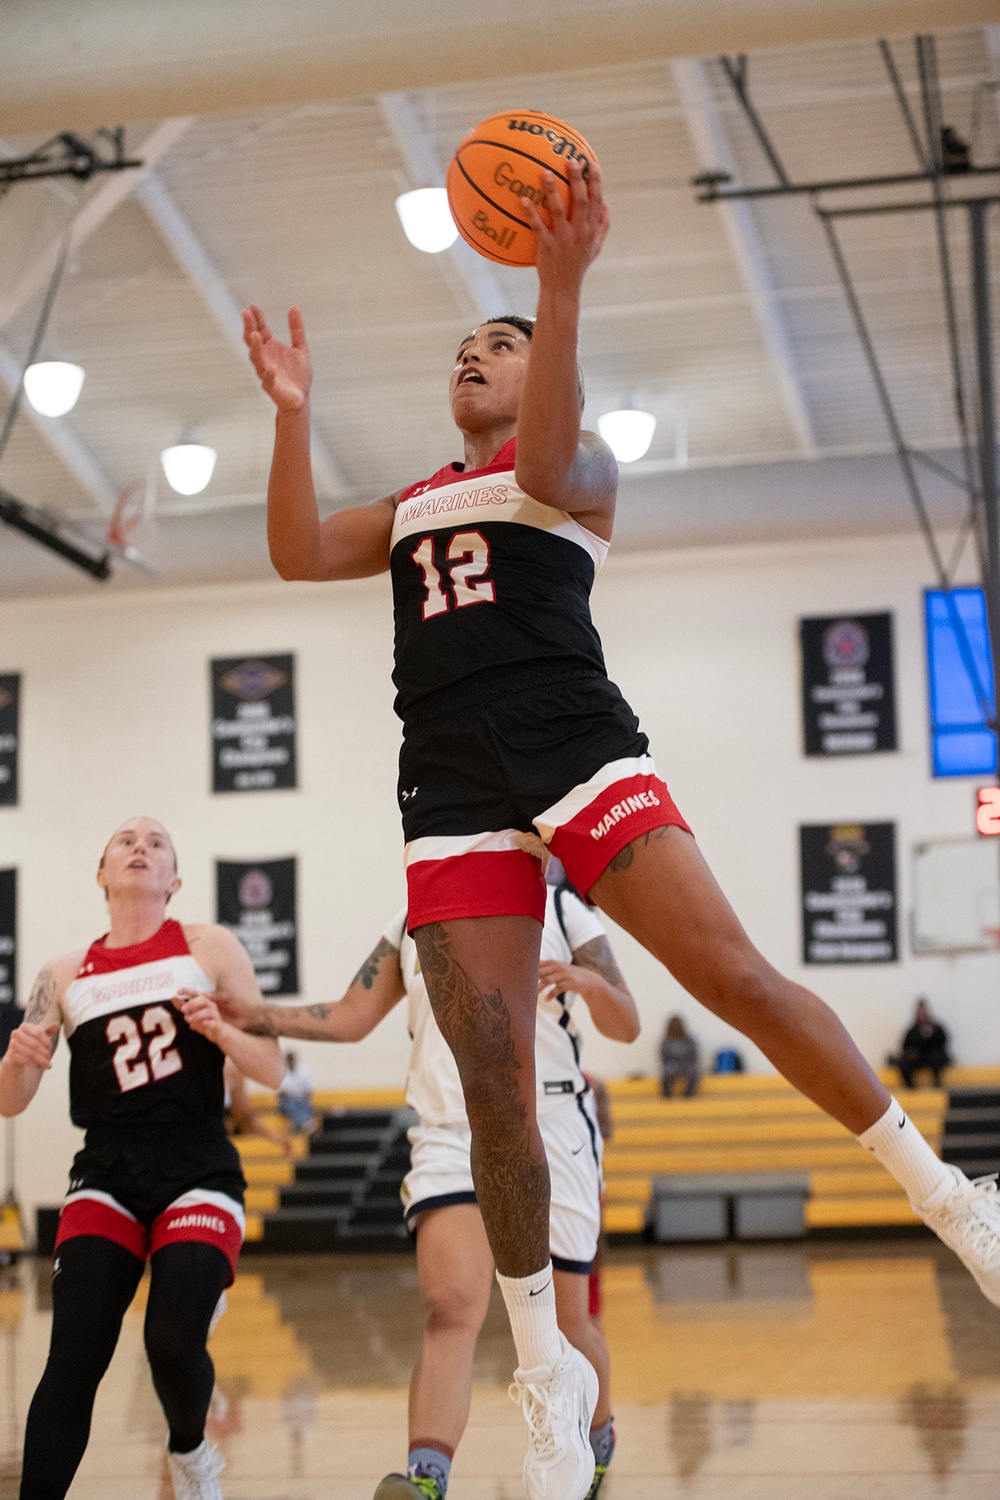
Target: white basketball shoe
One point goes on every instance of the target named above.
(195, 1475)
(966, 1216)
(558, 1404)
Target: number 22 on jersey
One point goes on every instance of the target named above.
(468, 563)
(157, 1028)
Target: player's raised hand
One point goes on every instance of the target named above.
(564, 251)
(285, 370)
(32, 1046)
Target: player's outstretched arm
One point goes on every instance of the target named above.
(349, 544)
(556, 463)
(373, 992)
(31, 1047)
(596, 977)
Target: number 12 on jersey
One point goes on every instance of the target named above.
(467, 565)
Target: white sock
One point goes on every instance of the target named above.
(902, 1150)
(531, 1307)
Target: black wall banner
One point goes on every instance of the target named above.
(11, 1014)
(848, 694)
(10, 695)
(255, 899)
(849, 893)
(253, 723)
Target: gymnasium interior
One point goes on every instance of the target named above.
(800, 291)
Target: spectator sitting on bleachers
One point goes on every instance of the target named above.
(678, 1059)
(925, 1045)
(295, 1095)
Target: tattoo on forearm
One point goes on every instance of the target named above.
(41, 997)
(508, 1162)
(368, 972)
(597, 955)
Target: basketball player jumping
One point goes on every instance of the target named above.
(157, 1178)
(514, 739)
(454, 1264)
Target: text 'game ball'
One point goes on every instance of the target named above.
(498, 164)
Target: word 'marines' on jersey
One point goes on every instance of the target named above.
(484, 576)
(134, 1060)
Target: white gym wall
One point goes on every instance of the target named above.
(702, 641)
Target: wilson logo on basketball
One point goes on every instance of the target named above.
(624, 809)
(559, 143)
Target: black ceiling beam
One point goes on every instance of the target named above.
(55, 534)
(70, 155)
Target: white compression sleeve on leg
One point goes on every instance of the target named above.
(531, 1307)
(902, 1150)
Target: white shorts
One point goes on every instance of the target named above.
(441, 1175)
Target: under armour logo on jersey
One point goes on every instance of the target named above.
(405, 796)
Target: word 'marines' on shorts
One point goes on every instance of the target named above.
(624, 809)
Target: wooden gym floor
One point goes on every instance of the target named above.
(831, 1371)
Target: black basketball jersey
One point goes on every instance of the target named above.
(134, 1060)
(483, 576)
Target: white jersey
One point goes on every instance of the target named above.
(433, 1087)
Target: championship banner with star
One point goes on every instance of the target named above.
(848, 690)
(255, 899)
(10, 698)
(253, 723)
(849, 904)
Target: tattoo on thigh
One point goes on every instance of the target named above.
(623, 859)
(509, 1167)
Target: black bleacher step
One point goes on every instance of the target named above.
(972, 1146)
(318, 1194)
(333, 1168)
(975, 1119)
(983, 1167)
(367, 1119)
(325, 1214)
(973, 1098)
(389, 1211)
(337, 1142)
(385, 1237)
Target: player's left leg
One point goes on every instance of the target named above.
(186, 1283)
(195, 1242)
(659, 888)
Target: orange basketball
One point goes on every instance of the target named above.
(498, 164)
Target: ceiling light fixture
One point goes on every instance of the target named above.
(53, 386)
(426, 219)
(188, 467)
(627, 433)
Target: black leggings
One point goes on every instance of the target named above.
(94, 1280)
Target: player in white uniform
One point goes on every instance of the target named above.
(454, 1262)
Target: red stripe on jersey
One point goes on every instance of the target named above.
(168, 942)
(452, 473)
(94, 1216)
(588, 843)
(204, 1223)
(501, 883)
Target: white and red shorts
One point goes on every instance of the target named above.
(555, 761)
